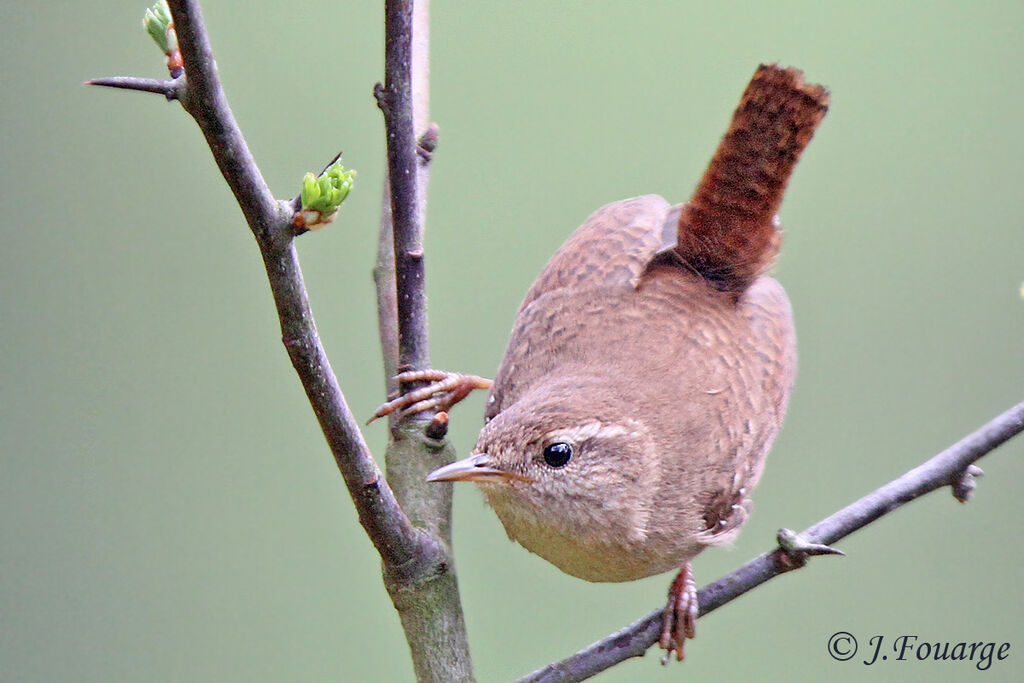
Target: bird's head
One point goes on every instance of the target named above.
(563, 474)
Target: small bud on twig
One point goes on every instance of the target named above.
(964, 484)
(438, 427)
(321, 196)
(427, 143)
(160, 27)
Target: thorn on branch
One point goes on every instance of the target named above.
(794, 550)
(963, 484)
(171, 89)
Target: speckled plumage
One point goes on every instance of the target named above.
(657, 358)
(696, 380)
(653, 343)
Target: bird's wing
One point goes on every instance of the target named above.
(608, 253)
(611, 249)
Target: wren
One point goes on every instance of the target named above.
(649, 368)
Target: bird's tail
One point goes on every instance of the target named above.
(728, 231)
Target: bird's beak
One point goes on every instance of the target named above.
(476, 467)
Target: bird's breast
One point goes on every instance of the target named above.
(708, 376)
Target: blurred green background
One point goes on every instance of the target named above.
(168, 508)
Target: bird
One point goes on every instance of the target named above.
(649, 369)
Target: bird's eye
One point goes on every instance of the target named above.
(557, 454)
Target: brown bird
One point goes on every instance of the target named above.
(649, 369)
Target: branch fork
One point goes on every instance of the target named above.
(409, 553)
(417, 567)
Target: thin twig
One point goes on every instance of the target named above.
(395, 100)
(204, 99)
(417, 570)
(945, 469)
(387, 302)
(167, 88)
(404, 549)
(431, 611)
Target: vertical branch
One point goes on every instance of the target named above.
(420, 85)
(404, 549)
(395, 100)
(387, 301)
(430, 610)
(414, 545)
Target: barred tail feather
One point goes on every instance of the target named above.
(728, 231)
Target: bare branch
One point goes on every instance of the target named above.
(945, 469)
(395, 101)
(167, 88)
(387, 301)
(431, 611)
(405, 550)
(384, 270)
(417, 570)
(204, 99)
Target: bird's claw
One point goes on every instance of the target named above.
(679, 621)
(445, 390)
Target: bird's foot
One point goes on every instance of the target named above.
(680, 618)
(445, 390)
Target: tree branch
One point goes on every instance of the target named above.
(405, 550)
(417, 566)
(431, 611)
(387, 297)
(395, 101)
(204, 99)
(949, 468)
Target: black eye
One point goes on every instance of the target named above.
(557, 454)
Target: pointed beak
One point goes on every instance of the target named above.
(477, 468)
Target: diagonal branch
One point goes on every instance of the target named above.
(204, 99)
(951, 467)
(405, 550)
(417, 568)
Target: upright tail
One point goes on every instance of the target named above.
(728, 231)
